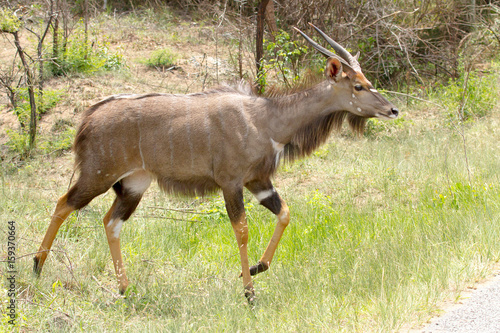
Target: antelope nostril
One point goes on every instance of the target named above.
(394, 112)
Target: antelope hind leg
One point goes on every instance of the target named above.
(113, 227)
(129, 193)
(236, 211)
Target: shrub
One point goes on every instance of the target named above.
(161, 59)
(472, 95)
(58, 142)
(9, 22)
(23, 108)
(377, 126)
(84, 56)
(18, 142)
(283, 56)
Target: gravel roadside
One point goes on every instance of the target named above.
(479, 313)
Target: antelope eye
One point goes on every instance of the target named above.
(358, 87)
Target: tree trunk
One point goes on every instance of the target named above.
(40, 56)
(271, 20)
(259, 39)
(31, 91)
(55, 36)
(86, 22)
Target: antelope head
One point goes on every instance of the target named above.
(343, 71)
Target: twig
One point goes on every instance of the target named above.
(33, 253)
(70, 269)
(167, 218)
(465, 154)
(106, 289)
(374, 22)
(46, 306)
(414, 97)
(181, 210)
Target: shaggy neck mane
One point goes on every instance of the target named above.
(315, 133)
(310, 136)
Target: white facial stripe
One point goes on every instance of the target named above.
(261, 196)
(374, 90)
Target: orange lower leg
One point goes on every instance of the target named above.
(240, 228)
(61, 212)
(267, 257)
(113, 228)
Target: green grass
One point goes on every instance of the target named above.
(161, 59)
(383, 228)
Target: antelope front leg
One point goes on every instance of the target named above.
(267, 257)
(236, 211)
(62, 211)
(269, 198)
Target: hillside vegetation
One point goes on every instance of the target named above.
(385, 227)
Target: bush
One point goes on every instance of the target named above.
(377, 126)
(9, 22)
(18, 142)
(84, 56)
(472, 95)
(23, 108)
(283, 56)
(161, 59)
(59, 142)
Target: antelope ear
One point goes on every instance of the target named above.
(333, 69)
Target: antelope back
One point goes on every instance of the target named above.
(191, 144)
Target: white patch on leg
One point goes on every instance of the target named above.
(116, 227)
(126, 174)
(263, 195)
(138, 182)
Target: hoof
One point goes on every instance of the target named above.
(250, 295)
(36, 268)
(259, 268)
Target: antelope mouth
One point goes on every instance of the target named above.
(393, 113)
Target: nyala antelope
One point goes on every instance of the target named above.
(227, 138)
